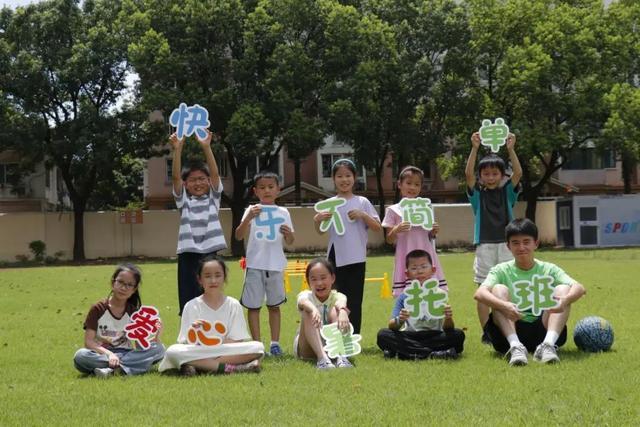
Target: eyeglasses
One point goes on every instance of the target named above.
(123, 284)
(417, 268)
(197, 180)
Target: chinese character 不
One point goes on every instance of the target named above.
(426, 300)
(190, 120)
(536, 294)
(331, 206)
(271, 221)
(494, 135)
(196, 334)
(339, 344)
(417, 212)
(143, 326)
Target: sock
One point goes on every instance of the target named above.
(222, 368)
(551, 337)
(275, 342)
(513, 340)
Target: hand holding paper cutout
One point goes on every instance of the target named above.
(331, 206)
(339, 344)
(271, 221)
(425, 300)
(417, 212)
(143, 326)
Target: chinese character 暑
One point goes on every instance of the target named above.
(339, 344)
(196, 334)
(331, 206)
(417, 212)
(190, 120)
(426, 300)
(143, 326)
(270, 221)
(536, 295)
(494, 135)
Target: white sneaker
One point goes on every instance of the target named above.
(546, 353)
(103, 372)
(518, 355)
(324, 364)
(343, 362)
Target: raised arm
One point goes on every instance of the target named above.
(515, 162)
(214, 177)
(469, 170)
(176, 165)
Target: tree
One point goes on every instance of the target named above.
(538, 68)
(67, 70)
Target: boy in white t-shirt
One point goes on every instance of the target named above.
(265, 226)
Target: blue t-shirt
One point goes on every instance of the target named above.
(492, 210)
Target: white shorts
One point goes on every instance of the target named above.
(261, 283)
(487, 256)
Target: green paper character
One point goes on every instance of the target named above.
(417, 212)
(494, 135)
(331, 206)
(339, 344)
(536, 295)
(426, 300)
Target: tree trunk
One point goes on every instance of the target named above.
(78, 230)
(628, 163)
(237, 207)
(296, 169)
(531, 196)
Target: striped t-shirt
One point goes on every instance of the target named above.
(200, 229)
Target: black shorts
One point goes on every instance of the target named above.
(531, 334)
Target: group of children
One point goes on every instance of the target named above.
(213, 334)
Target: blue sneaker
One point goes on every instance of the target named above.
(276, 350)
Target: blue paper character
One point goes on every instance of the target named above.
(190, 120)
(270, 221)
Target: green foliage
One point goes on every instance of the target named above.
(51, 304)
(38, 248)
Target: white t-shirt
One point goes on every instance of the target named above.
(229, 313)
(265, 254)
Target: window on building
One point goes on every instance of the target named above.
(9, 173)
(564, 217)
(590, 158)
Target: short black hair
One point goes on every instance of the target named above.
(266, 175)
(492, 161)
(192, 167)
(417, 253)
(522, 226)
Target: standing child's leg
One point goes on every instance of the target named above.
(188, 287)
(274, 325)
(350, 282)
(275, 297)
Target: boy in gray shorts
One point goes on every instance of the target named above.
(492, 199)
(265, 226)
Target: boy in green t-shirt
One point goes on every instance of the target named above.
(530, 299)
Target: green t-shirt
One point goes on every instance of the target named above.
(507, 273)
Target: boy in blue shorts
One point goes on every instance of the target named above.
(510, 330)
(421, 338)
(265, 226)
(492, 199)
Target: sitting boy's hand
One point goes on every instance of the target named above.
(511, 311)
(404, 315)
(562, 304)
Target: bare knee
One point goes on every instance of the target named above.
(502, 292)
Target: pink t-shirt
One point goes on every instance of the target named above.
(416, 238)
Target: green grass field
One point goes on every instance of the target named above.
(42, 310)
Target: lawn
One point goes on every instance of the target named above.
(42, 310)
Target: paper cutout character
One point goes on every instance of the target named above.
(494, 135)
(331, 205)
(270, 221)
(190, 120)
(426, 300)
(196, 335)
(143, 326)
(536, 295)
(339, 344)
(417, 212)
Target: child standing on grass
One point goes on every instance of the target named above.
(511, 330)
(265, 257)
(421, 338)
(406, 237)
(492, 199)
(197, 191)
(318, 307)
(213, 334)
(348, 252)
(107, 350)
